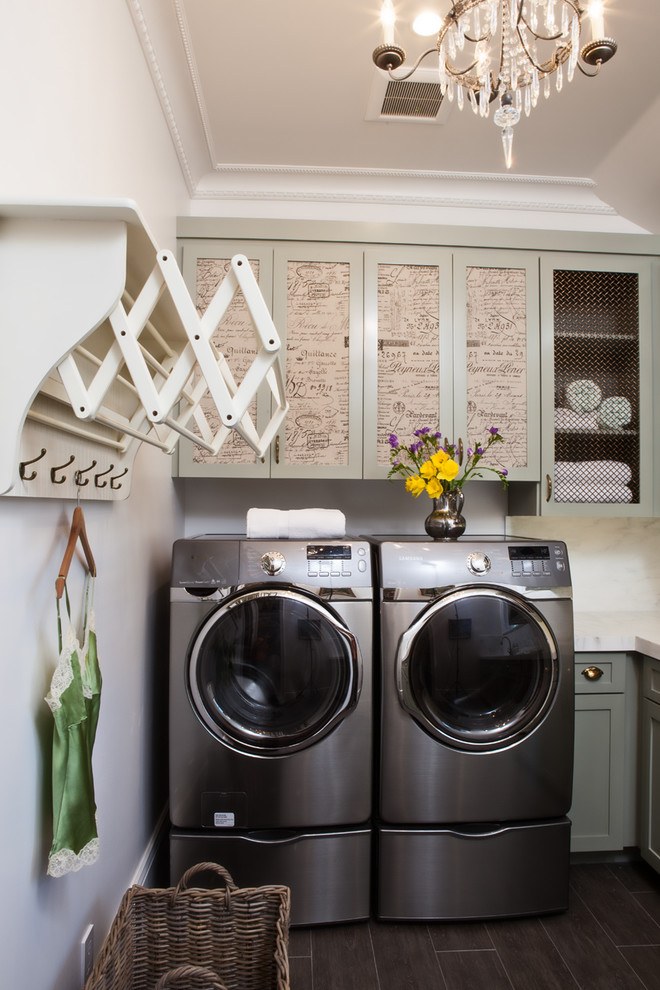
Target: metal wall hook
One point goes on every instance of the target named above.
(22, 466)
(78, 476)
(60, 467)
(114, 478)
(102, 484)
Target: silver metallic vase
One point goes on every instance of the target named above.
(445, 522)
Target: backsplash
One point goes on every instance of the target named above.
(615, 563)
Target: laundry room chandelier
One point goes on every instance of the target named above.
(502, 51)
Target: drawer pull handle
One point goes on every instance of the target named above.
(592, 673)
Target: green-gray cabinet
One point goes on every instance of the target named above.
(650, 764)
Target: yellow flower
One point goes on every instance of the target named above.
(415, 485)
(448, 470)
(439, 458)
(428, 469)
(434, 488)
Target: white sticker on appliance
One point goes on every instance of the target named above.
(223, 819)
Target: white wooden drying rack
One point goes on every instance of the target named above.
(103, 348)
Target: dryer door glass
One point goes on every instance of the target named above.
(478, 669)
(272, 671)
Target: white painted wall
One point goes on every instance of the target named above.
(81, 119)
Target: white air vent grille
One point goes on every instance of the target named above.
(412, 99)
(417, 100)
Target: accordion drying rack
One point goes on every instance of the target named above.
(103, 349)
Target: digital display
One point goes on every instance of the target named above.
(529, 553)
(320, 551)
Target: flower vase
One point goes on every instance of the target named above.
(445, 522)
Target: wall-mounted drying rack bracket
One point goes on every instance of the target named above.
(103, 348)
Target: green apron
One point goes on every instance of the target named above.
(74, 699)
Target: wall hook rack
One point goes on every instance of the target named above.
(102, 484)
(111, 351)
(78, 477)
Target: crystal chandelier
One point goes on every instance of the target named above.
(504, 51)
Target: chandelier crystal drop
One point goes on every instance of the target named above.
(505, 50)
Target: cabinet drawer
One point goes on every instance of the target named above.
(601, 673)
(651, 679)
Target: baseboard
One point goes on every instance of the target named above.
(628, 855)
(146, 874)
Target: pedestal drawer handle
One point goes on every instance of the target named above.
(592, 673)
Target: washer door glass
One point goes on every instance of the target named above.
(273, 670)
(478, 669)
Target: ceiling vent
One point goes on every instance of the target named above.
(417, 100)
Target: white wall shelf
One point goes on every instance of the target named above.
(103, 349)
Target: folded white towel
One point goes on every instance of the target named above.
(605, 493)
(296, 524)
(568, 419)
(614, 413)
(611, 472)
(583, 395)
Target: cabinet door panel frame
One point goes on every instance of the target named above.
(504, 314)
(596, 263)
(407, 258)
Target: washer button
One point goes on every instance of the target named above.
(478, 563)
(362, 566)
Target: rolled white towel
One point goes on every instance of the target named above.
(605, 493)
(296, 524)
(583, 395)
(614, 413)
(612, 472)
(568, 419)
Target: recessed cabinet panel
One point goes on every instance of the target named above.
(205, 264)
(496, 324)
(408, 349)
(596, 403)
(318, 311)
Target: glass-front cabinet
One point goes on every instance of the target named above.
(596, 390)
(314, 293)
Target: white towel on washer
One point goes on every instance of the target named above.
(296, 524)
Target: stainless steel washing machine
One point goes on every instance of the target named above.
(476, 727)
(271, 717)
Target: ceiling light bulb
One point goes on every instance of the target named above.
(427, 24)
(388, 20)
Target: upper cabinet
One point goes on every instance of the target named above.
(552, 348)
(496, 355)
(315, 296)
(597, 385)
(408, 357)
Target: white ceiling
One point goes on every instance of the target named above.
(261, 90)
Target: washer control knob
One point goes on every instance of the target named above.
(478, 563)
(273, 562)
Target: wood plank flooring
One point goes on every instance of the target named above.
(609, 939)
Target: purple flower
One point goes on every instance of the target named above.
(470, 452)
(494, 430)
(393, 440)
(504, 472)
(479, 451)
(422, 431)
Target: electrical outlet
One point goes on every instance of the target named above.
(87, 953)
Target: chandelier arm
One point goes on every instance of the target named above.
(546, 67)
(590, 75)
(458, 73)
(408, 74)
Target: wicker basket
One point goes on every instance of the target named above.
(192, 938)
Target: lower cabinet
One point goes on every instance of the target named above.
(599, 798)
(650, 764)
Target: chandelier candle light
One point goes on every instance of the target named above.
(504, 50)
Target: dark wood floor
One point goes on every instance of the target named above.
(609, 939)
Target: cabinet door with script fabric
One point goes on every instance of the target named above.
(317, 309)
(204, 265)
(408, 348)
(496, 357)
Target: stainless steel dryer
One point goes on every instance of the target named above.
(477, 723)
(271, 717)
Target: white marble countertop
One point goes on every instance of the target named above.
(620, 632)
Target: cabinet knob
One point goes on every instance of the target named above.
(548, 487)
(277, 449)
(592, 673)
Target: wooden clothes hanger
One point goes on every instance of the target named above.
(77, 531)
